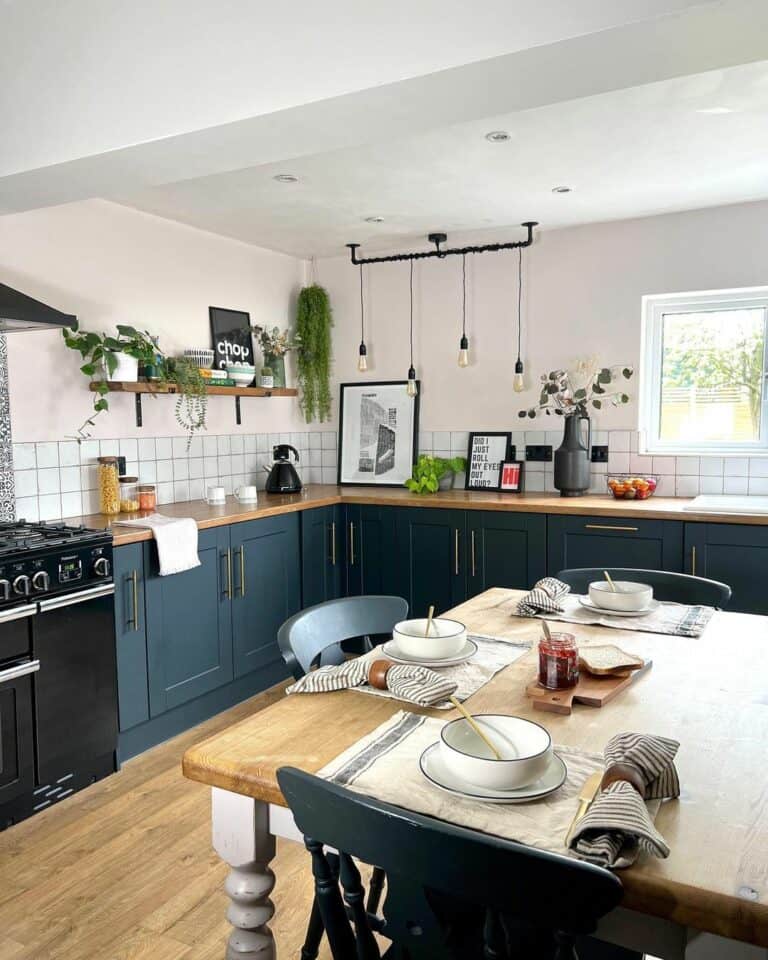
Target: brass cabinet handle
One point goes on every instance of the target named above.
(609, 526)
(134, 581)
(242, 570)
(333, 542)
(351, 544)
(456, 551)
(228, 587)
(693, 561)
(472, 551)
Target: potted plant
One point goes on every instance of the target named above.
(275, 343)
(192, 396)
(267, 378)
(313, 334)
(431, 474)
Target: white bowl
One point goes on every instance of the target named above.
(628, 596)
(525, 748)
(446, 638)
(242, 378)
(202, 356)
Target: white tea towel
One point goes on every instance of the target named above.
(176, 539)
(410, 682)
(385, 765)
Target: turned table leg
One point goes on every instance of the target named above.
(242, 839)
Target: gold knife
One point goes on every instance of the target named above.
(589, 791)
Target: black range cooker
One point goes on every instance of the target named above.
(58, 684)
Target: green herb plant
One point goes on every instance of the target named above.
(314, 320)
(191, 407)
(428, 471)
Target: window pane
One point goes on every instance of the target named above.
(712, 376)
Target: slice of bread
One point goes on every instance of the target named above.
(608, 659)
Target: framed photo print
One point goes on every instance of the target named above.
(485, 456)
(512, 476)
(231, 336)
(378, 431)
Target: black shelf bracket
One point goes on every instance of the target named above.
(439, 238)
(139, 420)
(238, 419)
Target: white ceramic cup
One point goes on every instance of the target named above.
(215, 496)
(246, 494)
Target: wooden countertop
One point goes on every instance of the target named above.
(710, 693)
(321, 495)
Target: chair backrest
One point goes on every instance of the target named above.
(320, 630)
(425, 859)
(675, 587)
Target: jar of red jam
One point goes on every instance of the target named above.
(558, 661)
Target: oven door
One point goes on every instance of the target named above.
(17, 756)
(76, 689)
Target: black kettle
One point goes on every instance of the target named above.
(282, 475)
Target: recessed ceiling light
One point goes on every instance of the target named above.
(498, 136)
(715, 110)
(286, 178)
(374, 219)
(561, 189)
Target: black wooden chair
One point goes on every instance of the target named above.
(452, 893)
(675, 587)
(315, 635)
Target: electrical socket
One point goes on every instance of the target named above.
(600, 454)
(538, 452)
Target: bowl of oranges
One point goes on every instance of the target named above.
(633, 488)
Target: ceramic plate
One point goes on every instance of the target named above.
(468, 651)
(437, 772)
(586, 602)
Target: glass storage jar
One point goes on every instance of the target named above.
(147, 497)
(558, 661)
(129, 494)
(109, 485)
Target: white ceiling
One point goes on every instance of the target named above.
(628, 153)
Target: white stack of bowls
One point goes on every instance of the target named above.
(243, 374)
(628, 597)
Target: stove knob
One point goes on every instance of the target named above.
(21, 585)
(5, 589)
(41, 581)
(101, 567)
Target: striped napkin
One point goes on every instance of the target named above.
(617, 824)
(545, 597)
(413, 683)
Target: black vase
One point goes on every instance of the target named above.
(572, 459)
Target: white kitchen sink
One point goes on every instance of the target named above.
(715, 504)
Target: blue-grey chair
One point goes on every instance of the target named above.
(674, 587)
(314, 636)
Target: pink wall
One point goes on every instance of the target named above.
(110, 264)
(583, 294)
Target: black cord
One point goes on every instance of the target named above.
(411, 290)
(464, 296)
(519, 297)
(362, 308)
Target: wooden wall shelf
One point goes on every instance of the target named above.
(159, 389)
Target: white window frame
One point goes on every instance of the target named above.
(654, 309)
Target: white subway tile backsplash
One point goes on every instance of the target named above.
(71, 504)
(687, 487)
(180, 469)
(758, 486)
(618, 461)
(262, 444)
(163, 448)
(425, 441)
(90, 501)
(238, 463)
(47, 455)
(441, 439)
(181, 490)
(48, 481)
(69, 453)
(89, 450)
(533, 482)
(639, 463)
(736, 467)
(164, 471)
(687, 467)
(129, 448)
(236, 444)
(107, 448)
(165, 493)
(25, 483)
(758, 467)
(328, 441)
(210, 467)
(178, 447)
(224, 445)
(665, 465)
(315, 458)
(619, 442)
(710, 484)
(249, 443)
(196, 489)
(328, 474)
(70, 479)
(225, 465)
(736, 486)
(27, 508)
(459, 442)
(328, 458)
(210, 447)
(24, 456)
(196, 468)
(146, 448)
(195, 447)
(50, 506)
(666, 486)
(147, 471)
(89, 477)
(711, 467)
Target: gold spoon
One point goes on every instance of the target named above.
(471, 721)
(430, 614)
(610, 582)
(545, 628)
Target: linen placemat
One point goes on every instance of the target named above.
(385, 765)
(493, 654)
(676, 619)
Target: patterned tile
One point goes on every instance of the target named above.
(7, 491)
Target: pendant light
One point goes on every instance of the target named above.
(518, 384)
(464, 343)
(362, 353)
(412, 388)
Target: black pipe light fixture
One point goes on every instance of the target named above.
(362, 353)
(518, 383)
(412, 389)
(464, 342)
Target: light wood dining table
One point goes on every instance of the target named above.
(708, 899)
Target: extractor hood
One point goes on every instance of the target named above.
(19, 312)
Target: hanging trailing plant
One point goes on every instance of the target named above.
(192, 400)
(313, 333)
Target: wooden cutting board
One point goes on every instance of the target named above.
(590, 690)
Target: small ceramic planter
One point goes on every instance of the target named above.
(267, 379)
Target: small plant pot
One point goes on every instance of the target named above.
(267, 380)
(127, 368)
(446, 481)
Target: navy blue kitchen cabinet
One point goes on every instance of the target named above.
(505, 550)
(431, 557)
(371, 553)
(323, 562)
(189, 624)
(266, 590)
(613, 542)
(131, 636)
(734, 553)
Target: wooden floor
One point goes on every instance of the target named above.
(125, 869)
